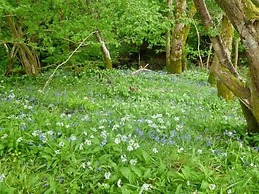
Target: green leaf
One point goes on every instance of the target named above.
(6, 189)
(178, 189)
(186, 172)
(145, 156)
(136, 170)
(127, 173)
(147, 173)
(204, 185)
(2, 146)
(124, 190)
(96, 149)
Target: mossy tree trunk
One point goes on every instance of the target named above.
(186, 31)
(213, 74)
(227, 33)
(168, 34)
(244, 15)
(27, 56)
(176, 61)
(175, 65)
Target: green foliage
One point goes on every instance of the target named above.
(95, 135)
(55, 28)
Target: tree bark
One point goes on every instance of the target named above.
(213, 74)
(227, 33)
(168, 34)
(177, 39)
(186, 31)
(105, 51)
(28, 57)
(244, 15)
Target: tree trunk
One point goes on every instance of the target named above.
(168, 35)
(28, 57)
(105, 51)
(11, 56)
(186, 31)
(213, 74)
(244, 15)
(177, 39)
(227, 33)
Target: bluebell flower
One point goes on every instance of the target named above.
(23, 126)
(32, 99)
(139, 132)
(22, 115)
(199, 137)
(256, 148)
(216, 152)
(156, 138)
(104, 142)
(173, 133)
(43, 138)
(60, 180)
(171, 142)
(141, 120)
(208, 144)
(152, 134)
(163, 140)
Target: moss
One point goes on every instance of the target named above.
(108, 63)
(224, 92)
(251, 10)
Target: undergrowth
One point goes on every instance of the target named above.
(111, 132)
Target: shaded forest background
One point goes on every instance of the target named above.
(133, 31)
(79, 35)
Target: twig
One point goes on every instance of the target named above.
(199, 42)
(52, 75)
(236, 51)
(208, 59)
(6, 48)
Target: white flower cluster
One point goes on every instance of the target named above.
(132, 145)
(87, 165)
(2, 177)
(145, 187)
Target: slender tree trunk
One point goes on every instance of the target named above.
(236, 51)
(11, 56)
(177, 39)
(168, 34)
(105, 51)
(186, 31)
(28, 57)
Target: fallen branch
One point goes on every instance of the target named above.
(52, 75)
(142, 69)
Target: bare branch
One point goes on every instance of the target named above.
(52, 75)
